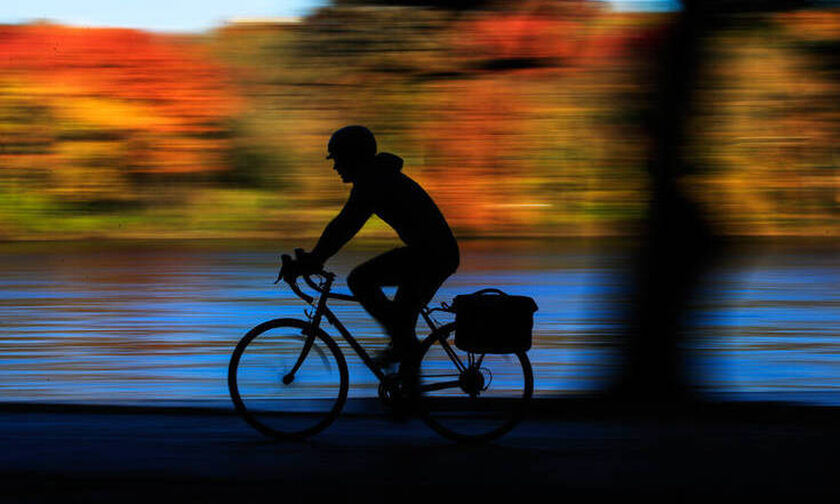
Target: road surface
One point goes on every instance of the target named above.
(125, 454)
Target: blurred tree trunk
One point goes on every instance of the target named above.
(678, 245)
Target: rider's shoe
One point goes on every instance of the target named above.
(404, 404)
(406, 354)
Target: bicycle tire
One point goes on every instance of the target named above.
(456, 414)
(273, 407)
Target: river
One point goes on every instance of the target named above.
(147, 322)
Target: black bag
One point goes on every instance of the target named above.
(490, 321)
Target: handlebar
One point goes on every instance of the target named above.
(306, 297)
(311, 283)
(292, 281)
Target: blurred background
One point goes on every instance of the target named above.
(533, 111)
(126, 128)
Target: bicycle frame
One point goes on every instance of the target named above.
(322, 311)
(410, 389)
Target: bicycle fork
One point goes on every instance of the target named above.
(310, 332)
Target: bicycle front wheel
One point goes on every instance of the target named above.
(277, 403)
(471, 397)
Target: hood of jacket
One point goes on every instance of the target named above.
(385, 161)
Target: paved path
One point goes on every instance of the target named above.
(91, 456)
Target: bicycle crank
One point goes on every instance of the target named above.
(390, 388)
(472, 380)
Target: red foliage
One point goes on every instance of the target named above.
(123, 64)
(512, 36)
(562, 41)
(185, 95)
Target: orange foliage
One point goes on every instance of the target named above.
(470, 148)
(139, 84)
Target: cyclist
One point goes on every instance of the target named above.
(418, 269)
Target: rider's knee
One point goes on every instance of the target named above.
(356, 281)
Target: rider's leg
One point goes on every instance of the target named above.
(413, 293)
(417, 277)
(367, 279)
(411, 296)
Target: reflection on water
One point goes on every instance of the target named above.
(131, 322)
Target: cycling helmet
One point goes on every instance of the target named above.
(355, 142)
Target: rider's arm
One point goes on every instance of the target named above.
(343, 227)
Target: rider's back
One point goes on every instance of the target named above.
(400, 201)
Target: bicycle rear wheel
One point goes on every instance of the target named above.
(276, 403)
(471, 397)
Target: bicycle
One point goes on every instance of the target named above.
(285, 392)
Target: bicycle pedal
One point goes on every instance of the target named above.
(389, 388)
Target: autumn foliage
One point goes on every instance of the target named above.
(526, 122)
(137, 88)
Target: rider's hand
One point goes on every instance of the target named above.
(307, 263)
(289, 270)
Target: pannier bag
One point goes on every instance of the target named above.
(490, 321)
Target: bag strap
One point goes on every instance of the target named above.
(490, 289)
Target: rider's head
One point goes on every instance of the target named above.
(353, 149)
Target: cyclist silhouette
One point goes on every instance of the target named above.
(418, 269)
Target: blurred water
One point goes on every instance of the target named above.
(136, 322)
